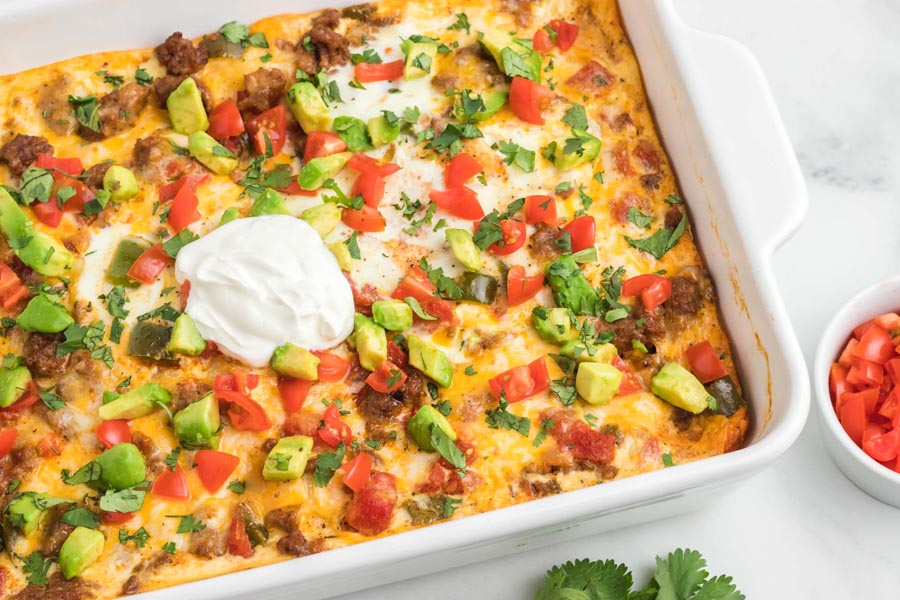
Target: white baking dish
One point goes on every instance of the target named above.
(746, 196)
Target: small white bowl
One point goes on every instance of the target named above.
(871, 477)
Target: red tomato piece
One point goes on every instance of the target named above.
(293, 393)
(888, 321)
(653, 289)
(244, 413)
(331, 366)
(171, 484)
(184, 209)
(443, 310)
(369, 72)
(892, 368)
(27, 400)
(541, 41)
(865, 373)
(846, 357)
(566, 33)
(49, 213)
(322, 143)
(113, 432)
(387, 378)
(520, 287)
(860, 330)
(583, 231)
(12, 290)
(48, 447)
(459, 201)
(884, 446)
(631, 383)
(526, 98)
(7, 441)
(371, 187)
(113, 517)
(366, 164)
(461, 169)
(150, 264)
(357, 471)
(521, 382)
(576, 437)
(875, 345)
(705, 362)
(888, 408)
(271, 124)
(225, 121)
(853, 414)
(238, 543)
(540, 375)
(397, 355)
(513, 238)
(415, 284)
(365, 220)
(80, 196)
(333, 430)
(541, 209)
(60, 166)
(214, 468)
(168, 192)
(372, 508)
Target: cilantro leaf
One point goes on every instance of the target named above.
(500, 418)
(127, 500)
(575, 117)
(546, 426)
(446, 286)
(418, 310)
(680, 574)
(327, 464)
(86, 112)
(719, 588)
(517, 155)
(188, 523)
(447, 448)
(80, 517)
(462, 23)
(587, 580)
(661, 241)
(36, 567)
(237, 487)
(638, 218)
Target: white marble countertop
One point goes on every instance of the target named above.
(800, 529)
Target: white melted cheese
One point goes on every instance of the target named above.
(261, 282)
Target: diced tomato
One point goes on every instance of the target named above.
(48, 447)
(888, 321)
(372, 508)
(322, 143)
(12, 290)
(415, 284)
(846, 358)
(184, 209)
(168, 192)
(113, 432)
(334, 430)
(366, 220)
(294, 189)
(238, 542)
(150, 264)
(566, 33)
(575, 436)
(397, 355)
(113, 517)
(519, 383)
(75, 203)
(541, 41)
(171, 484)
(225, 121)
(883, 447)
(513, 238)
(631, 383)
(520, 287)
(240, 381)
(583, 231)
(860, 330)
(865, 373)
(459, 201)
(49, 213)
(892, 368)
(59, 166)
(441, 309)
(27, 400)
(653, 289)
(357, 471)
(539, 374)
(888, 408)
(293, 393)
(854, 410)
(875, 345)
(362, 163)
(271, 124)
(541, 209)
(369, 72)
(7, 441)
(245, 414)
(371, 187)
(705, 362)
(331, 366)
(461, 169)
(387, 378)
(214, 468)
(526, 98)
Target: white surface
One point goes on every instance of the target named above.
(800, 530)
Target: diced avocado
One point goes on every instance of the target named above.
(269, 203)
(342, 254)
(430, 361)
(601, 353)
(571, 289)
(420, 427)
(464, 249)
(45, 314)
(287, 459)
(318, 170)
(13, 383)
(597, 383)
(308, 107)
(419, 56)
(186, 108)
(493, 102)
(186, 339)
(354, 132)
(197, 425)
(120, 183)
(127, 252)
(136, 403)
(393, 315)
(34, 248)
(371, 342)
(121, 466)
(554, 325)
(24, 513)
(678, 386)
(150, 342)
(211, 154)
(478, 287)
(323, 218)
(585, 153)
(504, 48)
(80, 550)
(382, 131)
(228, 215)
(294, 361)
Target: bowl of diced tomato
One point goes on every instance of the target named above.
(857, 383)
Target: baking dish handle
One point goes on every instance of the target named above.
(754, 147)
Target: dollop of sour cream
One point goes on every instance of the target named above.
(260, 282)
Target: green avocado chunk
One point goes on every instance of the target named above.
(120, 183)
(228, 215)
(571, 289)
(44, 314)
(319, 170)
(269, 203)
(596, 382)
(24, 512)
(127, 252)
(393, 315)
(186, 110)
(513, 58)
(420, 427)
(588, 150)
(197, 425)
(464, 249)
(287, 459)
(308, 107)
(80, 550)
(430, 361)
(604, 353)
(354, 132)
(419, 57)
(371, 342)
(211, 154)
(121, 466)
(323, 218)
(293, 361)
(186, 339)
(13, 383)
(34, 248)
(342, 254)
(493, 102)
(137, 403)
(679, 387)
(382, 131)
(553, 324)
